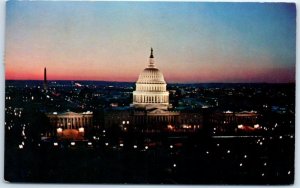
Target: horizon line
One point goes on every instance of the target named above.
(167, 82)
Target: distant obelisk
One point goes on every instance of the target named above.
(45, 79)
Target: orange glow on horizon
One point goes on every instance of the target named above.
(201, 77)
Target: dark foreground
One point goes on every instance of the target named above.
(172, 160)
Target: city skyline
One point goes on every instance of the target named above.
(221, 42)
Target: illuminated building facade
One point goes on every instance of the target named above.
(229, 121)
(151, 88)
(151, 100)
(71, 125)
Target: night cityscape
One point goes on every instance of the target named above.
(236, 155)
(156, 93)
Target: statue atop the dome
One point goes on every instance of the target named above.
(151, 55)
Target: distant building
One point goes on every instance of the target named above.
(71, 125)
(228, 121)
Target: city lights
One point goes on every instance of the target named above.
(256, 126)
(59, 130)
(81, 129)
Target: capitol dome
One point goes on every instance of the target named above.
(151, 75)
(151, 87)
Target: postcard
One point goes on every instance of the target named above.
(185, 93)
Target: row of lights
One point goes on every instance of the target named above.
(73, 144)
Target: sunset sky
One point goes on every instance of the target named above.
(192, 42)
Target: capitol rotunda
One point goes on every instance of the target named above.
(151, 109)
(151, 88)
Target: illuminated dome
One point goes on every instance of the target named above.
(151, 75)
(151, 87)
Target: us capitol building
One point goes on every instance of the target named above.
(151, 110)
(151, 89)
(151, 100)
